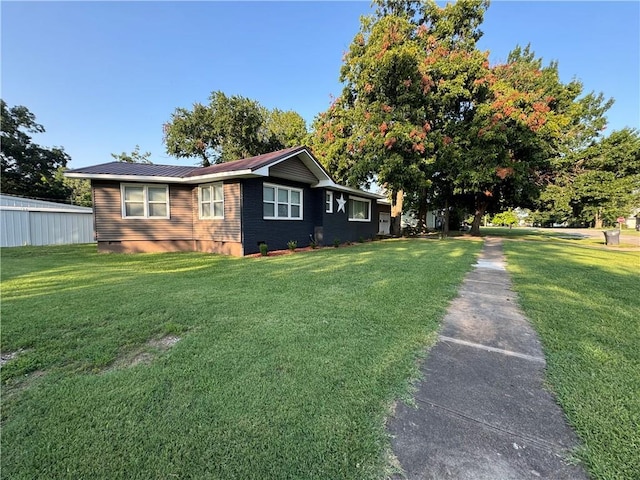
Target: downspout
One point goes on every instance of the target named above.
(242, 217)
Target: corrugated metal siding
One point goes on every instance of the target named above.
(60, 228)
(221, 230)
(29, 227)
(110, 226)
(15, 228)
(293, 169)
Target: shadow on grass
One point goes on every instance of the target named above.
(286, 367)
(584, 304)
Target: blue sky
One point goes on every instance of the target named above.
(103, 77)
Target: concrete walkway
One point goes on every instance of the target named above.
(482, 409)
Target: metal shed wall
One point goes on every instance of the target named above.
(34, 222)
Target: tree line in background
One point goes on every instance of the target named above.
(423, 114)
(230, 128)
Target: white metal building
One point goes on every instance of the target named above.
(34, 222)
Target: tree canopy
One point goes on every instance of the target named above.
(423, 112)
(28, 169)
(230, 128)
(596, 185)
(134, 157)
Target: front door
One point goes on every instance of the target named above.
(384, 223)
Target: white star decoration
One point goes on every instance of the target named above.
(341, 201)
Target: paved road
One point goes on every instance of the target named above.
(482, 411)
(625, 236)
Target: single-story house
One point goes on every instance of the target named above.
(633, 220)
(228, 208)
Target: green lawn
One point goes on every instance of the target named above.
(548, 235)
(286, 367)
(585, 304)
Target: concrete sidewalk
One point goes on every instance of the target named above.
(482, 409)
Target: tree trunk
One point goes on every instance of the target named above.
(598, 219)
(423, 208)
(396, 212)
(445, 220)
(481, 208)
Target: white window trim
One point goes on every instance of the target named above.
(275, 202)
(330, 209)
(211, 202)
(145, 200)
(359, 199)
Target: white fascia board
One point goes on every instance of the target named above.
(212, 177)
(125, 178)
(263, 171)
(325, 184)
(356, 191)
(341, 188)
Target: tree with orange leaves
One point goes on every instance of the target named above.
(424, 113)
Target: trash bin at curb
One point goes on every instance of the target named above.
(612, 237)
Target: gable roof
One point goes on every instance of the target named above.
(257, 166)
(252, 163)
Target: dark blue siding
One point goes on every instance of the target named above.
(276, 233)
(336, 225)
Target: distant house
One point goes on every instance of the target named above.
(228, 208)
(633, 220)
(24, 221)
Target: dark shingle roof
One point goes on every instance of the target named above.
(141, 169)
(152, 170)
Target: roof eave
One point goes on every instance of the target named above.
(212, 177)
(355, 191)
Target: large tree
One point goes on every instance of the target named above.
(134, 157)
(230, 128)
(409, 75)
(596, 184)
(424, 112)
(503, 152)
(28, 169)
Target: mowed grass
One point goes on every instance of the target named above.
(585, 304)
(286, 368)
(557, 235)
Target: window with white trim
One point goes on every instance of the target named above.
(211, 200)
(145, 201)
(281, 203)
(328, 202)
(359, 209)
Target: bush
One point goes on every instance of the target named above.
(336, 242)
(292, 245)
(264, 249)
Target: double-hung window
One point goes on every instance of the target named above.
(328, 202)
(281, 203)
(211, 200)
(145, 201)
(359, 209)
